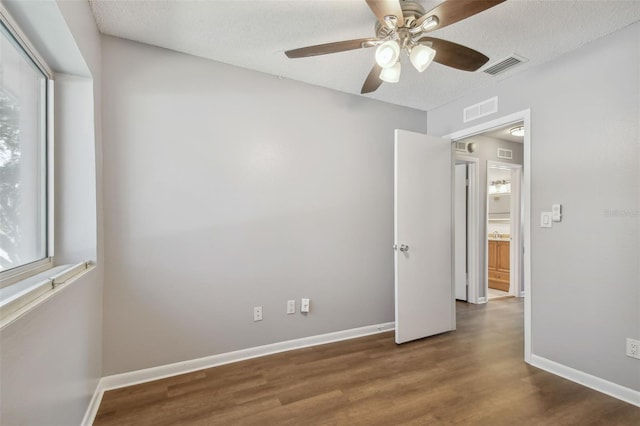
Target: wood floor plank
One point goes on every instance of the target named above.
(472, 376)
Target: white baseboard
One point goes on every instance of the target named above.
(612, 389)
(94, 404)
(160, 372)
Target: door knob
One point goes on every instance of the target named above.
(404, 247)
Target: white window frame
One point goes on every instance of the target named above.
(14, 275)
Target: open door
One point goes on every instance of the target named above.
(424, 298)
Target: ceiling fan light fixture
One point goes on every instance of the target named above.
(517, 131)
(391, 74)
(421, 57)
(387, 54)
(391, 21)
(429, 23)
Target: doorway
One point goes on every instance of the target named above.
(523, 119)
(493, 159)
(504, 230)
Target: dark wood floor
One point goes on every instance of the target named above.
(475, 376)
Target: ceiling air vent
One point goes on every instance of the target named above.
(505, 64)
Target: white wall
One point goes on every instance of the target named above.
(585, 154)
(500, 227)
(51, 358)
(227, 189)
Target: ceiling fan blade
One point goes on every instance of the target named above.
(373, 80)
(338, 46)
(453, 11)
(382, 8)
(455, 55)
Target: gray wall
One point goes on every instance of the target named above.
(487, 150)
(51, 358)
(226, 189)
(585, 154)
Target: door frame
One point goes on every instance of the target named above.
(515, 217)
(525, 117)
(473, 225)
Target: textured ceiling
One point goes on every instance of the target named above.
(254, 34)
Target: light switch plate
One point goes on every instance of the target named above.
(304, 305)
(546, 220)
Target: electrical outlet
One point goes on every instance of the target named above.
(633, 348)
(291, 307)
(257, 313)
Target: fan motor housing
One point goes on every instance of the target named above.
(411, 11)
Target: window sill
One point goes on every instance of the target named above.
(23, 296)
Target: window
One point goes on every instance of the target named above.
(27, 272)
(24, 201)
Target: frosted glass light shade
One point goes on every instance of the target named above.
(421, 56)
(387, 54)
(391, 74)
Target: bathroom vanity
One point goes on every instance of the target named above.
(499, 275)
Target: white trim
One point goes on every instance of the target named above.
(596, 383)
(94, 405)
(34, 296)
(12, 276)
(525, 117)
(515, 254)
(526, 240)
(50, 169)
(23, 41)
(168, 370)
(71, 271)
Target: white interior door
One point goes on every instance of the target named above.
(424, 296)
(460, 232)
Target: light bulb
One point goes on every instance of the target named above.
(421, 57)
(391, 74)
(387, 54)
(430, 22)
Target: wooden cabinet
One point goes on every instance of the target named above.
(499, 275)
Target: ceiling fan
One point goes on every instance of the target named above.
(401, 27)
